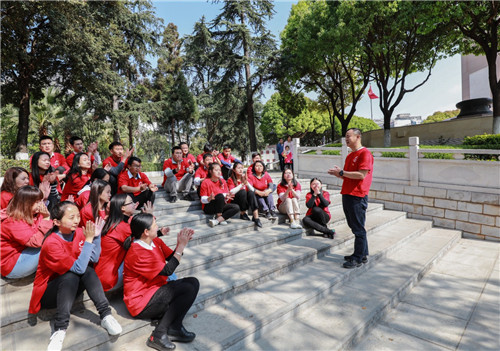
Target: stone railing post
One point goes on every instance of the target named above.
(295, 156)
(414, 146)
(343, 153)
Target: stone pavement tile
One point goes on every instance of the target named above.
(491, 292)
(425, 324)
(384, 338)
(465, 271)
(487, 315)
(477, 337)
(464, 257)
(482, 248)
(217, 322)
(445, 294)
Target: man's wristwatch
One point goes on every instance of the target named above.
(341, 173)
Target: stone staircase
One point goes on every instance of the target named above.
(270, 288)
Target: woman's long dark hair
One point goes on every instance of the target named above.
(283, 181)
(96, 190)
(57, 212)
(263, 169)
(312, 180)
(21, 205)
(139, 223)
(9, 179)
(75, 168)
(35, 171)
(115, 213)
(233, 173)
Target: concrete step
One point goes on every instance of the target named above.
(456, 306)
(256, 299)
(347, 312)
(215, 247)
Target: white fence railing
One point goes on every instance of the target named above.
(413, 169)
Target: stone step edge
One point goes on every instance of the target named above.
(347, 241)
(362, 328)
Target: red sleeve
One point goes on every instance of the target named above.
(298, 187)
(22, 232)
(268, 178)
(309, 195)
(122, 180)
(230, 184)
(6, 197)
(145, 178)
(148, 266)
(205, 188)
(326, 195)
(220, 156)
(281, 189)
(62, 162)
(167, 251)
(57, 256)
(165, 164)
(70, 158)
(86, 214)
(365, 162)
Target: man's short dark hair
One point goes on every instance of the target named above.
(355, 130)
(226, 147)
(132, 159)
(115, 143)
(177, 147)
(255, 154)
(207, 154)
(73, 139)
(45, 137)
(183, 143)
(207, 148)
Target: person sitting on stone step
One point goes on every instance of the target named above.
(201, 173)
(136, 183)
(244, 194)
(97, 206)
(148, 294)
(288, 198)
(264, 187)
(14, 178)
(65, 271)
(178, 175)
(318, 215)
(26, 221)
(215, 197)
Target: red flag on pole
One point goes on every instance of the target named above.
(371, 94)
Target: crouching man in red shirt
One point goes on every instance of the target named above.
(357, 179)
(136, 183)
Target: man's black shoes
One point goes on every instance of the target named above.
(352, 264)
(349, 258)
(163, 343)
(181, 335)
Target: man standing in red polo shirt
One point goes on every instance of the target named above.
(357, 179)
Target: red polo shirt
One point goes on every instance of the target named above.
(126, 178)
(356, 161)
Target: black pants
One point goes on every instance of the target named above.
(289, 166)
(218, 205)
(246, 200)
(143, 197)
(282, 162)
(318, 219)
(62, 291)
(170, 304)
(355, 213)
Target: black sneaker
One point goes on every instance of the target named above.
(268, 215)
(181, 335)
(173, 199)
(352, 264)
(161, 344)
(349, 258)
(273, 214)
(189, 197)
(244, 216)
(257, 222)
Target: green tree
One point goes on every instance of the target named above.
(441, 116)
(244, 44)
(320, 52)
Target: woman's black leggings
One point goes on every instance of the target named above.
(62, 291)
(218, 205)
(170, 303)
(246, 200)
(318, 219)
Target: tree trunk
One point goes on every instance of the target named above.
(130, 134)
(387, 129)
(116, 130)
(250, 112)
(24, 117)
(172, 132)
(495, 89)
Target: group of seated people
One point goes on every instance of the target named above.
(81, 227)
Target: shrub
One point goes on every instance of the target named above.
(394, 154)
(485, 141)
(5, 164)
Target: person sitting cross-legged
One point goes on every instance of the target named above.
(178, 175)
(136, 183)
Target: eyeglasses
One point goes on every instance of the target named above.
(128, 203)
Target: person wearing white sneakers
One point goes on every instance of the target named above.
(214, 195)
(288, 198)
(64, 272)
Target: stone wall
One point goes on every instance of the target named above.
(476, 214)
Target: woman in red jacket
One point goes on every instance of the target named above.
(288, 198)
(215, 195)
(45, 177)
(318, 215)
(14, 178)
(264, 187)
(78, 176)
(100, 194)
(64, 271)
(244, 193)
(147, 293)
(22, 232)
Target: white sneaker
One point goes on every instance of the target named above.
(223, 223)
(56, 340)
(295, 225)
(213, 222)
(111, 325)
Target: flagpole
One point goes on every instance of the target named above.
(371, 110)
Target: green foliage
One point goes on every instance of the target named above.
(438, 155)
(363, 124)
(394, 154)
(151, 166)
(334, 145)
(441, 116)
(6, 163)
(485, 141)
